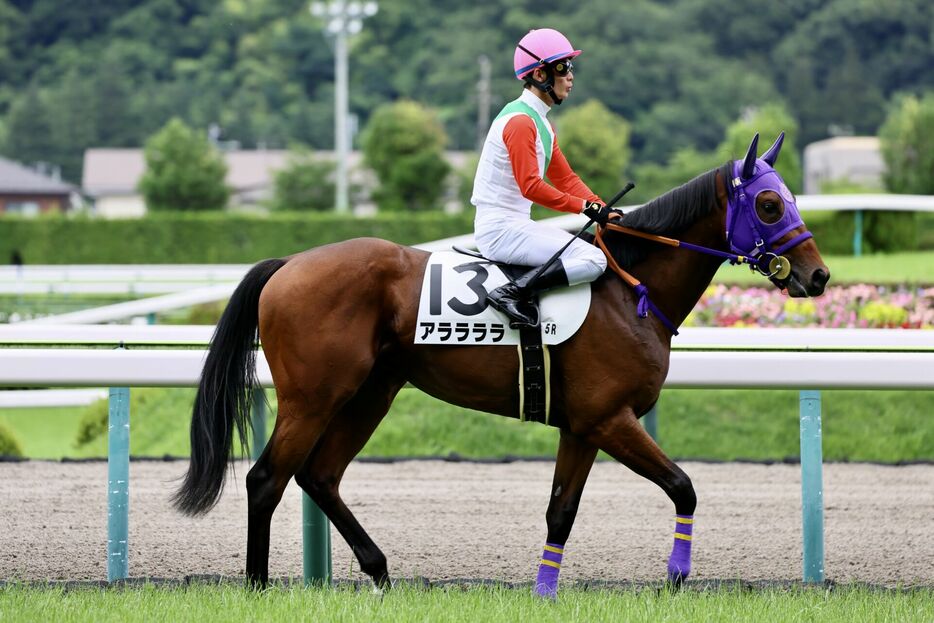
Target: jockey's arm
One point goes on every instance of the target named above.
(519, 137)
(564, 178)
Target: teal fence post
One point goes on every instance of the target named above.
(858, 234)
(650, 422)
(118, 483)
(812, 486)
(316, 544)
(258, 419)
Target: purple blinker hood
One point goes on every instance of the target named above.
(746, 233)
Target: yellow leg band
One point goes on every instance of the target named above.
(683, 537)
(554, 550)
(551, 563)
(683, 520)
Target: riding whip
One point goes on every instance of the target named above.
(629, 186)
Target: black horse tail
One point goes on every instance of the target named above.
(224, 394)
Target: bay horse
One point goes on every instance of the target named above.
(337, 325)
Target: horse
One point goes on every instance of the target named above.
(337, 326)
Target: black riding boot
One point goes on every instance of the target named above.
(513, 298)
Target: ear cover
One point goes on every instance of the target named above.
(772, 154)
(749, 164)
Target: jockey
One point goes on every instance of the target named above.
(520, 149)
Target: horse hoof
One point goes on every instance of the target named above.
(380, 588)
(548, 593)
(674, 582)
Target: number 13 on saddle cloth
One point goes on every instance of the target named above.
(453, 309)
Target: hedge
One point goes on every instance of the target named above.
(9, 446)
(883, 231)
(207, 238)
(221, 238)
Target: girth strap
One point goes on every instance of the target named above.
(534, 377)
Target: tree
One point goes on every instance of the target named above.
(183, 171)
(29, 135)
(769, 121)
(653, 179)
(403, 143)
(907, 143)
(596, 143)
(304, 184)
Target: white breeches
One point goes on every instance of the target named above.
(532, 244)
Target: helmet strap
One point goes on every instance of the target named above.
(547, 85)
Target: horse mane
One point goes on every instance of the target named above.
(667, 215)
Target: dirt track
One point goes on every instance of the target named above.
(461, 520)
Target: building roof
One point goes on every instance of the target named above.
(16, 179)
(845, 143)
(118, 171)
(112, 171)
(854, 158)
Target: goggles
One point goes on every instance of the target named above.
(562, 67)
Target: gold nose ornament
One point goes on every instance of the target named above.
(780, 267)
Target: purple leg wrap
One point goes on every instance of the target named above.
(679, 563)
(546, 584)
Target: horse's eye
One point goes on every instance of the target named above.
(770, 207)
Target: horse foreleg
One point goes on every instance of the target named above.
(321, 474)
(623, 438)
(575, 458)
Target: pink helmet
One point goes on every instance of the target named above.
(546, 45)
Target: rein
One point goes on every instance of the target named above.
(778, 266)
(645, 303)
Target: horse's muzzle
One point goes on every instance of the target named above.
(819, 279)
(803, 288)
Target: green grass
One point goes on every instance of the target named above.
(915, 268)
(884, 426)
(200, 603)
(43, 433)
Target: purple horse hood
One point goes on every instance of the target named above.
(746, 233)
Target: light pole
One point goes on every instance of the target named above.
(342, 19)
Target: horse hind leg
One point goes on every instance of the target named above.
(625, 440)
(299, 425)
(321, 475)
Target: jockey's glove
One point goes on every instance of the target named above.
(598, 212)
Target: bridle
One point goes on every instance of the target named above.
(747, 234)
(749, 238)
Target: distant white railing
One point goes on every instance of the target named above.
(140, 307)
(165, 278)
(34, 398)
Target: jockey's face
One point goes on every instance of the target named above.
(562, 87)
(564, 84)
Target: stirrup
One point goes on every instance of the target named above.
(519, 324)
(525, 321)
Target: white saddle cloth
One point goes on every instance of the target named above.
(453, 310)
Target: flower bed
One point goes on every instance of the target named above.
(853, 306)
